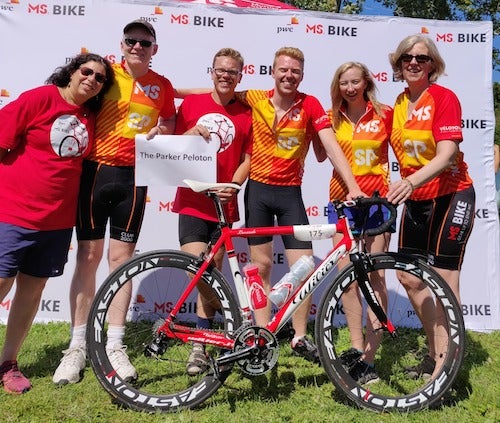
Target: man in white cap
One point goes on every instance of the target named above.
(140, 101)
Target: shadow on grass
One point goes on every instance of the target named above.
(42, 353)
(475, 355)
(273, 386)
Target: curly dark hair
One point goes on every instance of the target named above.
(62, 76)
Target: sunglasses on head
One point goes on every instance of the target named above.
(131, 42)
(99, 77)
(420, 58)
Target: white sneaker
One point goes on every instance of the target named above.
(71, 366)
(120, 362)
(197, 361)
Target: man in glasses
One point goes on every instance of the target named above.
(219, 118)
(140, 101)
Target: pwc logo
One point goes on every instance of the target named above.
(289, 27)
(9, 6)
(4, 94)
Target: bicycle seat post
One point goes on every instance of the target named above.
(219, 209)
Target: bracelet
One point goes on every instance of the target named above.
(409, 184)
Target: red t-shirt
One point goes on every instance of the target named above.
(233, 123)
(40, 175)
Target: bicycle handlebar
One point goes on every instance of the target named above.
(366, 203)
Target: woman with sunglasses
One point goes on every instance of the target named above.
(45, 135)
(436, 188)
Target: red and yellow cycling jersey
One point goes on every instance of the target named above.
(131, 107)
(436, 117)
(365, 145)
(280, 147)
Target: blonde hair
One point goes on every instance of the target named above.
(229, 52)
(292, 52)
(369, 93)
(438, 65)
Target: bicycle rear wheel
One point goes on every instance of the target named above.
(393, 387)
(155, 281)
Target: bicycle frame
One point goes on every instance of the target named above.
(347, 245)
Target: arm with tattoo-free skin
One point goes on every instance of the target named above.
(339, 162)
(446, 152)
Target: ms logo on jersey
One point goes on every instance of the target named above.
(221, 129)
(69, 136)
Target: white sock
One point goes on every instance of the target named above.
(78, 337)
(115, 336)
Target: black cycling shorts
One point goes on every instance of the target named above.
(195, 229)
(108, 193)
(438, 229)
(264, 203)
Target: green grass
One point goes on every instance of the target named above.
(295, 391)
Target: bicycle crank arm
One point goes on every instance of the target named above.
(231, 357)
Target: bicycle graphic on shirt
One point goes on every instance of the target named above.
(69, 136)
(222, 130)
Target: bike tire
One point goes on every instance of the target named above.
(157, 279)
(395, 390)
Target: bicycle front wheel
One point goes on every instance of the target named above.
(145, 289)
(397, 382)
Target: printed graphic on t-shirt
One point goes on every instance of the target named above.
(222, 130)
(69, 136)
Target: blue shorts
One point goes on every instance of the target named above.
(376, 216)
(41, 254)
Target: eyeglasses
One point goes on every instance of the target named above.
(420, 58)
(99, 77)
(220, 72)
(131, 42)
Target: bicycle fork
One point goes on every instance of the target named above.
(361, 262)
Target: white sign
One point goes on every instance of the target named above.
(166, 160)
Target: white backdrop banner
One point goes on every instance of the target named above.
(38, 37)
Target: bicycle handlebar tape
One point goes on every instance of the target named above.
(367, 202)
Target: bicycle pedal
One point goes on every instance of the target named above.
(286, 333)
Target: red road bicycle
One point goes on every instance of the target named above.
(161, 320)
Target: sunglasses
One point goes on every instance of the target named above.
(131, 42)
(99, 77)
(420, 58)
(220, 72)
